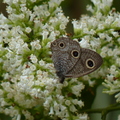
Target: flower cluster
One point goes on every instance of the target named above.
(101, 32)
(29, 87)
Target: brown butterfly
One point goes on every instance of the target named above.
(72, 61)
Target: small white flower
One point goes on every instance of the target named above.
(62, 26)
(67, 102)
(22, 16)
(28, 30)
(75, 24)
(32, 16)
(109, 20)
(80, 103)
(36, 45)
(27, 115)
(63, 108)
(31, 78)
(51, 111)
(47, 102)
(115, 34)
(100, 26)
(9, 9)
(110, 52)
(45, 34)
(23, 8)
(26, 71)
(113, 69)
(52, 35)
(91, 83)
(110, 77)
(108, 38)
(32, 67)
(47, 13)
(84, 43)
(76, 89)
(85, 29)
(83, 117)
(41, 63)
(89, 8)
(72, 108)
(48, 44)
(33, 58)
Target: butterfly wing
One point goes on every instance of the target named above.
(88, 62)
(62, 49)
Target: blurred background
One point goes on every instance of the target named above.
(74, 9)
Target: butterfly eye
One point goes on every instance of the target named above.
(75, 53)
(90, 63)
(61, 45)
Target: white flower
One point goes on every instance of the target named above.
(28, 115)
(84, 43)
(83, 117)
(51, 111)
(76, 89)
(80, 103)
(9, 9)
(28, 30)
(115, 34)
(75, 24)
(33, 58)
(100, 27)
(45, 34)
(47, 102)
(32, 67)
(72, 108)
(62, 26)
(89, 8)
(36, 45)
(67, 102)
(42, 63)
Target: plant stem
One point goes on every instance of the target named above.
(103, 111)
